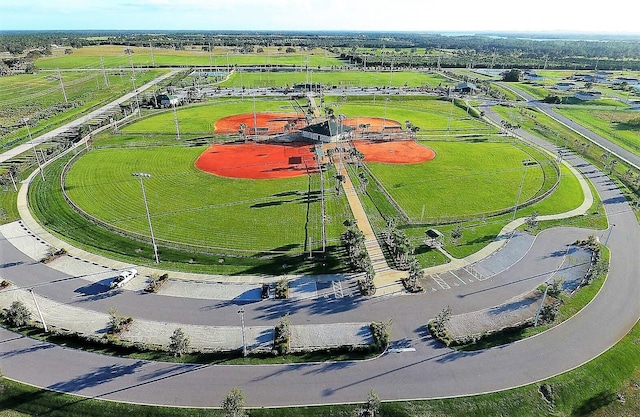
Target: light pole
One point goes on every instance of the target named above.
(526, 163)
(26, 120)
(244, 340)
(142, 175)
(609, 234)
(44, 325)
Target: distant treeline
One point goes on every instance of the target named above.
(400, 49)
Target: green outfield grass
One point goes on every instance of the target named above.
(337, 79)
(192, 207)
(430, 191)
(430, 114)
(49, 206)
(114, 57)
(200, 118)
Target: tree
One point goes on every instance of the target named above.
(18, 314)
(233, 403)
(179, 342)
(282, 335)
(456, 233)
(441, 320)
(339, 180)
(513, 75)
(364, 182)
(532, 220)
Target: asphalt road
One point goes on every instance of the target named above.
(621, 152)
(431, 371)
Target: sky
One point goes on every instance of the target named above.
(614, 16)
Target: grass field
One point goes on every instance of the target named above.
(200, 118)
(49, 206)
(428, 192)
(432, 115)
(609, 124)
(39, 97)
(114, 57)
(337, 79)
(192, 207)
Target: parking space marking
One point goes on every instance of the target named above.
(440, 282)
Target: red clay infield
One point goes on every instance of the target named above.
(274, 121)
(258, 161)
(375, 124)
(263, 161)
(398, 152)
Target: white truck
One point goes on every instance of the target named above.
(123, 278)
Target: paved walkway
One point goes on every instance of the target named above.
(386, 280)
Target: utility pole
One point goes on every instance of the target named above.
(64, 93)
(142, 175)
(33, 146)
(44, 324)
(153, 61)
(524, 174)
(133, 82)
(244, 340)
(175, 119)
(255, 119)
(104, 74)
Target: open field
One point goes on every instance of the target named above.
(429, 192)
(191, 207)
(115, 57)
(432, 115)
(49, 206)
(610, 124)
(337, 79)
(39, 97)
(201, 118)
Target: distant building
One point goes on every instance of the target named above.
(587, 95)
(564, 86)
(466, 88)
(166, 100)
(629, 81)
(327, 131)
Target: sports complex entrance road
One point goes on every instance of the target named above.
(431, 371)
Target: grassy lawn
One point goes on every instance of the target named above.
(337, 79)
(200, 119)
(429, 192)
(114, 57)
(609, 124)
(192, 207)
(431, 114)
(49, 206)
(39, 98)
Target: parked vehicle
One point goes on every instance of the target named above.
(123, 278)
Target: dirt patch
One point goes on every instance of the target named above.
(372, 124)
(274, 122)
(258, 161)
(396, 152)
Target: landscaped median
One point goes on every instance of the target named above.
(531, 312)
(152, 336)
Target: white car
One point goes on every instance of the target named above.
(123, 278)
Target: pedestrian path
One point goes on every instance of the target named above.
(387, 281)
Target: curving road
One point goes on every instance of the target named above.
(431, 371)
